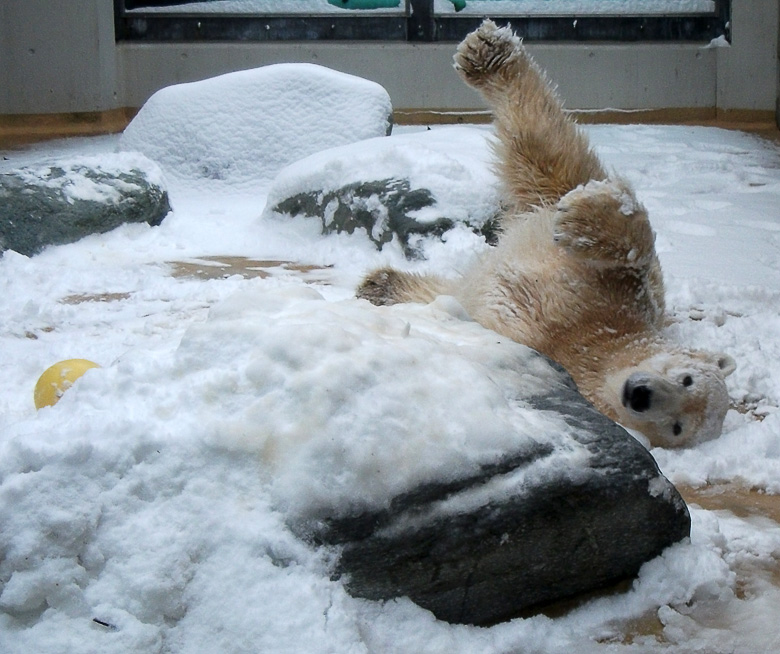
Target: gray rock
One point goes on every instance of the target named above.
(61, 202)
(505, 541)
(383, 208)
(423, 184)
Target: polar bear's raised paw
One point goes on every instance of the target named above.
(488, 51)
(603, 221)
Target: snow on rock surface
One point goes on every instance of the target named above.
(274, 349)
(446, 169)
(335, 409)
(241, 128)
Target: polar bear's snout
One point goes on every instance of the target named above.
(649, 396)
(637, 395)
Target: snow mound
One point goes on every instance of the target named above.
(348, 406)
(122, 504)
(243, 127)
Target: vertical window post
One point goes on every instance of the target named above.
(421, 25)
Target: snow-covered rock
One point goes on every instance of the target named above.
(164, 491)
(61, 201)
(243, 127)
(422, 184)
(517, 494)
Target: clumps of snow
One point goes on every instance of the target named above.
(754, 450)
(628, 204)
(242, 128)
(719, 42)
(617, 188)
(91, 178)
(350, 406)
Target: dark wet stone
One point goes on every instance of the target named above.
(61, 203)
(472, 553)
(383, 208)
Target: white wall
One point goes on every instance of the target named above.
(60, 57)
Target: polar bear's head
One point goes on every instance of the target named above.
(674, 399)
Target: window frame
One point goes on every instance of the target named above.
(417, 23)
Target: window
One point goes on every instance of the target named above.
(419, 20)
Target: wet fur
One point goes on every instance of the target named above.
(575, 274)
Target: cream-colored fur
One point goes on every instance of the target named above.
(575, 274)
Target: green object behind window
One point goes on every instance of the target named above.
(365, 4)
(459, 4)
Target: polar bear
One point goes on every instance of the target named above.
(575, 273)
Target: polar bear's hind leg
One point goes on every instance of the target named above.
(388, 286)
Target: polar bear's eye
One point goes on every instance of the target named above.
(687, 380)
(677, 428)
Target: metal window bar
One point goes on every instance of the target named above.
(418, 22)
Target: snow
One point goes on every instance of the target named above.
(279, 7)
(628, 204)
(278, 114)
(481, 7)
(574, 7)
(68, 175)
(352, 444)
(148, 511)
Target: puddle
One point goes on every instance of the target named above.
(755, 577)
(218, 267)
(81, 298)
(742, 501)
(222, 267)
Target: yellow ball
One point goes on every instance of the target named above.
(58, 379)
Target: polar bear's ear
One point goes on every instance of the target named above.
(726, 363)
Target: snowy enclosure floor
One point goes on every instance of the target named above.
(126, 528)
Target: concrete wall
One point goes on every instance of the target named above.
(60, 57)
(57, 57)
(641, 76)
(747, 71)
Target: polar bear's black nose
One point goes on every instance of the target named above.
(638, 397)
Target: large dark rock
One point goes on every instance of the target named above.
(442, 461)
(489, 547)
(383, 208)
(64, 201)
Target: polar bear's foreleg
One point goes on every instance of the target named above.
(603, 222)
(389, 286)
(542, 154)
